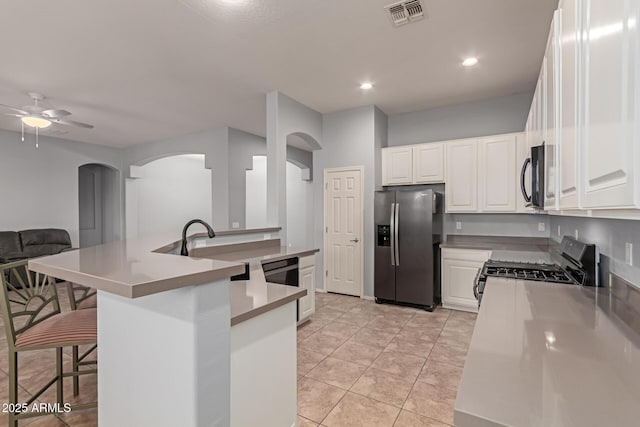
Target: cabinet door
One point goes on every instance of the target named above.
(307, 304)
(397, 165)
(459, 271)
(550, 121)
(462, 176)
(568, 107)
(428, 163)
(498, 174)
(610, 153)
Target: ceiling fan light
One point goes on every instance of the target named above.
(36, 122)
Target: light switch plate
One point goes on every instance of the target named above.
(628, 253)
(576, 235)
(235, 225)
(458, 225)
(541, 226)
(558, 230)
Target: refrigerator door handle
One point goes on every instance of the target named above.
(391, 228)
(395, 234)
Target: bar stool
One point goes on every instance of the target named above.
(81, 298)
(33, 321)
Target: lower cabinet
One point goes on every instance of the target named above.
(307, 304)
(460, 268)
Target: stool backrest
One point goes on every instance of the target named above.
(26, 298)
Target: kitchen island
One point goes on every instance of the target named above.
(546, 354)
(167, 349)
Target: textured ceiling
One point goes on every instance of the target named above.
(150, 69)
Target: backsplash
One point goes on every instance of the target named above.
(610, 236)
(497, 225)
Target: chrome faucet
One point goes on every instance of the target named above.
(184, 251)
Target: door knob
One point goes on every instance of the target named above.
(354, 240)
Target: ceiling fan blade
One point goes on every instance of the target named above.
(72, 123)
(17, 110)
(55, 113)
(13, 115)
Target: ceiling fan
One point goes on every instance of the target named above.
(39, 117)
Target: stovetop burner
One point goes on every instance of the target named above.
(544, 274)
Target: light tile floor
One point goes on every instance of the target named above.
(367, 364)
(359, 364)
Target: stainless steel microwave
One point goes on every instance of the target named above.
(536, 161)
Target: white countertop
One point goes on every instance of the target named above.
(547, 354)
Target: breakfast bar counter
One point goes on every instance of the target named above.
(165, 323)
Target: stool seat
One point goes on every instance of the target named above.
(90, 302)
(61, 330)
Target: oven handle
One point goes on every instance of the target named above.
(476, 283)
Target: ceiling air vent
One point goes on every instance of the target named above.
(404, 12)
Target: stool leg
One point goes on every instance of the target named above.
(76, 378)
(59, 383)
(13, 386)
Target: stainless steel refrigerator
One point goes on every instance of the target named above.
(407, 256)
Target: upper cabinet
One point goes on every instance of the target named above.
(428, 163)
(568, 36)
(397, 165)
(609, 150)
(462, 176)
(498, 176)
(550, 72)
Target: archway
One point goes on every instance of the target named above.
(98, 204)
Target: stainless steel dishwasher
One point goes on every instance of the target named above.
(283, 272)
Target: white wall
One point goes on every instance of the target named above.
(256, 193)
(172, 191)
(40, 186)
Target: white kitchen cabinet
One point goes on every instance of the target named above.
(498, 176)
(461, 190)
(306, 275)
(460, 267)
(568, 45)
(551, 98)
(397, 165)
(610, 152)
(428, 163)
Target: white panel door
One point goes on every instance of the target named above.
(498, 174)
(428, 163)
(397, 165)
(343, 231)
(610, 156)
(568, 107)
(462, 176)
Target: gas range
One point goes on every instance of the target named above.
(577, 265)
(527, 271)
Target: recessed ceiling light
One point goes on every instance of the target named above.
(470, 62)
(366, 86)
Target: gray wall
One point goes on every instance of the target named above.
(349, 139)
(494, 116)
(610, 235)
(40, 186)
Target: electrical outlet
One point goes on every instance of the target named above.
(628, 253)
(458, 225)
(235, 225)
(541, 226)
(558, 230)
(576, 235)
